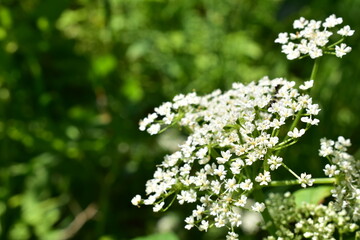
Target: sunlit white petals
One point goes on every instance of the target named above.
(258, 207)
(306, 180)
(204, 225)
(154, 129)
(225, 156)
(263, 178)
(241, 202)
(158, 207)
(300, 23)
(307, 85)
(312, 40)
(332, 21)
(232, 236)
(246, 185)
(274, 162)
(229, 132)
(282, 38)
(136, 200)
(310, 121)
(346, 31)
(342, 50)
(331, 170)
(296, 133)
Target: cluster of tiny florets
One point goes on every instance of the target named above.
(230, 135)
(307, 221)
(313, 38)
(346, 169)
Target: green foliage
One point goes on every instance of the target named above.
(314, 195)
(159, 236)
(76, 77)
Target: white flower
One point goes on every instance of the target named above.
(300, 23)
(310, 120)
(263, 178)
(204, 225)
(246, 185)
(331, 170)
(231, 185)
(307, 85)
(236, 166)
(225, 156)
(294, 54)
(326, 147)
(235, 219)
(315, 52)
(146, 121)
(201, 153)
(311, 40)
(187, 196)
(332, 21)
(232, 236)
(344, 142)
(190, 222)
(282, 38)
(312, 109)
(346, 31)
(241, 124)
(241, 202)
(154, 129)
(342, 50)
(274, 162)
(150, 200)
(220, 221)
(220, 171)
(308, 235)
(164, 109)
(136, 200)
(158, 207)
(296, 133)
(305, 180)
(258, 207)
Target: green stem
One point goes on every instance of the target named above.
(172, 201)
(336, 43)
(315, 69)
(300, 113)
(291, 171)
(259, 196)
(296, 182)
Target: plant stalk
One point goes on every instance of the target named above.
(296, 182)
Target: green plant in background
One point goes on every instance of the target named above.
(235, 140)
(76, 76)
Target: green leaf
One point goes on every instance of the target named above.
(103, 65)
(158, 236)
(312, 195)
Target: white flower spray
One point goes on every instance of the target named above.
(313, 38)
(235, 139)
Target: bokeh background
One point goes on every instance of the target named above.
(77, 76)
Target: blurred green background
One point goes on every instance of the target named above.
(77, 76)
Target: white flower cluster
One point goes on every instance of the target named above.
(229, 151)
(312, 40)
(307, 221)
(346, 169)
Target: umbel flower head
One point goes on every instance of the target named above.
(230, 150)
(346, 169)
(313, 38)
(307, 221)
